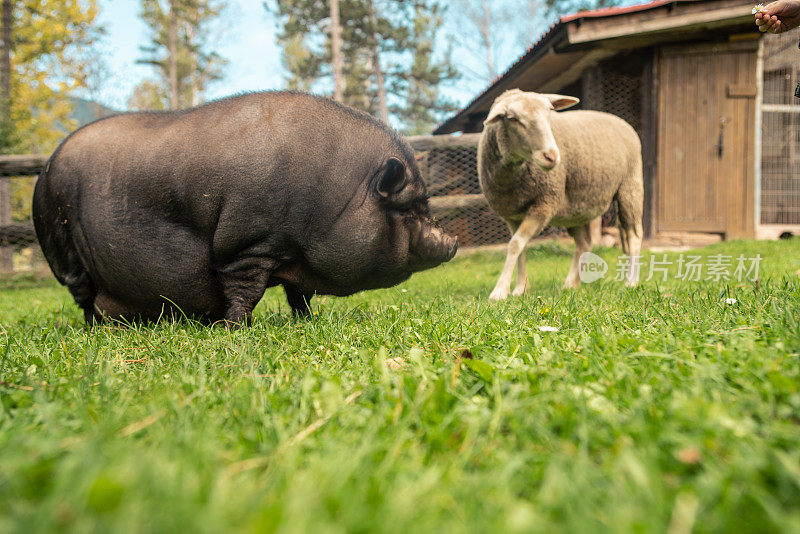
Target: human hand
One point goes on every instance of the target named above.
(778, 17)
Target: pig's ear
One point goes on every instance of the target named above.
(392, 178)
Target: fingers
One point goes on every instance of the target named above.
(768, 23)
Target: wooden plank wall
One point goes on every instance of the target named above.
(705, 179)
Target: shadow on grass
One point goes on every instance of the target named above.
(27, 280)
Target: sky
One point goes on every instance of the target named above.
(246, 37)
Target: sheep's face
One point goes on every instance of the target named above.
(521, 122)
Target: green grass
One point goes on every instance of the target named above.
(654, 408)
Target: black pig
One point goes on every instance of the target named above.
(199, 211)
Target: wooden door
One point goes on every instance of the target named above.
(706, 143)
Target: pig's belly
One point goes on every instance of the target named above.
(142, 272)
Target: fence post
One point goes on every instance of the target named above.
(6, 253)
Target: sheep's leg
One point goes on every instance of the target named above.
(595, 231)
(522, 276)
(623, 240)
(629, 203)
(583, 243)
(522, 272)
(528, 229)
(633, 236)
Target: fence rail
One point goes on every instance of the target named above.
(26, 165)
(15, 236)
(421, 143)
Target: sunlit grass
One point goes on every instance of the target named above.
(648, 407)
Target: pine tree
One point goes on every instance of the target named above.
(420, 103)
(378, 50)
(178, 50)
(306, 37)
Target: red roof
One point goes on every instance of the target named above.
(611, 11)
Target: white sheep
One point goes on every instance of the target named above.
(538, 167)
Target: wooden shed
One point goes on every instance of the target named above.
(711, 97)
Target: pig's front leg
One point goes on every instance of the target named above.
(299, 302)
(244, 281)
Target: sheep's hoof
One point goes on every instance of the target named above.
(498, 295)
(519, 291)
(572, 284)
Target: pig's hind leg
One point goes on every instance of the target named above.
(299, 302)
(244, 281)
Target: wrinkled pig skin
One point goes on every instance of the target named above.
(198, 212)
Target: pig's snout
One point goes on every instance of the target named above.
(452, 247)
(433, 247)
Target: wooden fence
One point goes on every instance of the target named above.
(14, 235)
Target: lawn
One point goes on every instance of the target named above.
(421, 408)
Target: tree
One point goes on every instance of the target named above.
(490, 23)
(336, 51)
(562, 7)
(149, 95)
(379, 53)
(40, 67)
(7, 134)
(95, 75)
(46, 64)
(420, 104)
(311, 43)
(178, 46)
(380, 86)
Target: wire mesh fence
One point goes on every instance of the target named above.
(616, 87)
(780, 133)
(451, 176)
(19, 250)
(449, 166)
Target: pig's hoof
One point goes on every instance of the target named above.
(237, 317)
(301, 313)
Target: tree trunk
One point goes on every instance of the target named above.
(195, 97)
(336, 52)
(383, 108)
(172, 48)
(531, 27)
(5, 68)
(6, 253)
(486, 33)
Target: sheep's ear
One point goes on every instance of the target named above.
(392, 178)
(495, 114)
(562, 101)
